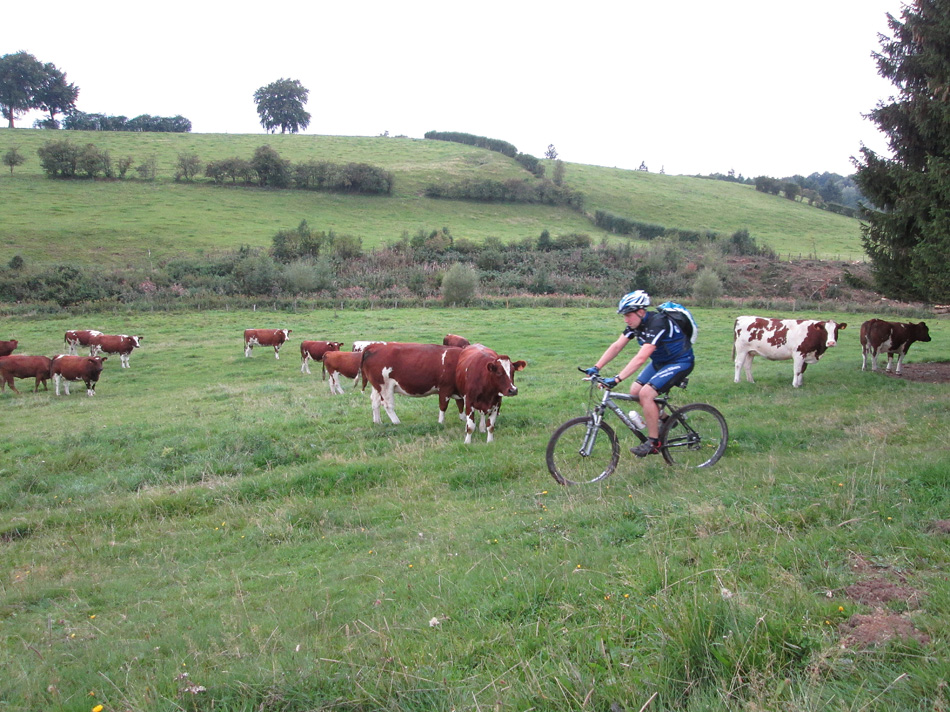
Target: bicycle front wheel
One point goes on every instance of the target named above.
(694, 436)
(579, 452)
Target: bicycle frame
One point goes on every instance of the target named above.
(609, 401)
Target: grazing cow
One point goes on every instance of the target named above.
(66, 368)
(453, 340)
(341, 363)
(316, 350)
(8, 347)
(802, 340)
(482, 379)
(20, 366)
(360, 345)
(265, 337)
(890, 337)
(121, 344)
(410, 370)
(80, 337)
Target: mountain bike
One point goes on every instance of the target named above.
(586, 449)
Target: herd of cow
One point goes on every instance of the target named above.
(67, 367)
(473, 375)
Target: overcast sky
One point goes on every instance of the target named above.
(692, 87)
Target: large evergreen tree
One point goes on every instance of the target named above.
(907, 234)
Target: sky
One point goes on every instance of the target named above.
(688, 87)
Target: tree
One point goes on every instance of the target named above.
(55, 95)
(280, 106)
(907, 234)
(21, 75)
(13, 158)
(551, 153)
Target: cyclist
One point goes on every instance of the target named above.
(662, 343)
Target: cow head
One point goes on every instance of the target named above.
(833, 328)
(502, 374)
(920, 332)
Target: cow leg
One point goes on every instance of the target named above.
(389, 400)
(334, 384)
(469, 424)
(305, 364)
(491, 417)
(374, 399)
(800, 367)
(864, 358)
(277, 352)
(900, 362)
(90, 388)
(124, 360)
(247, 350)
(9, 381)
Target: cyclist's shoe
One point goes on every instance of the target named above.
(649, 447)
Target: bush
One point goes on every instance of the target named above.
(458, 285)
(188, 166)
(272, 170)
(59, 159)
(707, 288)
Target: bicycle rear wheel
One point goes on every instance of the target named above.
(566, 462)
(694, 436)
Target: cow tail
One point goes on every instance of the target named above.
(735, 326)
(362, 370)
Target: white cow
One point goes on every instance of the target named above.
(802, 340)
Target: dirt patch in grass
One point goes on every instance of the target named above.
(941, 526)
(878, 592)
(924, 372)
(861, 631)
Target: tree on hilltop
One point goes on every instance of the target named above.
(907, 236)
(54, 95)
(280, 106)
(21, 74)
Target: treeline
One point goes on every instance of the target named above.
(64, 159)
(333, 269)
(514, 190)
(739, 243)
(81, 121)
(529, 162)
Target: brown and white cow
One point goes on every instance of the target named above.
(360, 345)
(66, 368)
(80, 337)
(411, 370)
(341, 363)
(22, 366)
(455, 340)
(316, 350)
(482, 379)
(265, 337)
(890, 337)
(121, 344)
(802, 340)
(8, 347)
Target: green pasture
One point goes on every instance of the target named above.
(215, 532)
(127, 222)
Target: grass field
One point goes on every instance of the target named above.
(129, 222)
(211, 532)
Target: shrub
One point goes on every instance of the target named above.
(272, 170)
(59, 159)
(458, 285)
(707, 288)
(188, 166)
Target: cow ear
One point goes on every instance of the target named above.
(519, 365)
(842, 326)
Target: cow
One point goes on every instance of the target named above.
(454, 340)
(890, 337)
(316, 350)
(341, 363)
(121, 344)
(67, 367)
(360, 345)
(8, 347)
(265, 337)
(411, 370)
(80, 337)
(802, 340)
(22, 366)
(482, 379)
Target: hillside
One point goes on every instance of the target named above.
(131, 222)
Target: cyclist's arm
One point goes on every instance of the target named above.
(643, 355)
(615, 348)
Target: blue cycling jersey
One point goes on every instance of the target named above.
(671, 343)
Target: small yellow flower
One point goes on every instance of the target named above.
(841, 484)
(92, 616)
(97, 708)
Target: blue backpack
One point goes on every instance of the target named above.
(684, 320)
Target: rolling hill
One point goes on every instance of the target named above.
(131, 221)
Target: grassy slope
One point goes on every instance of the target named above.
(228, 518)
(120, 222)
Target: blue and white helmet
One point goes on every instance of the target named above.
(633, 301)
